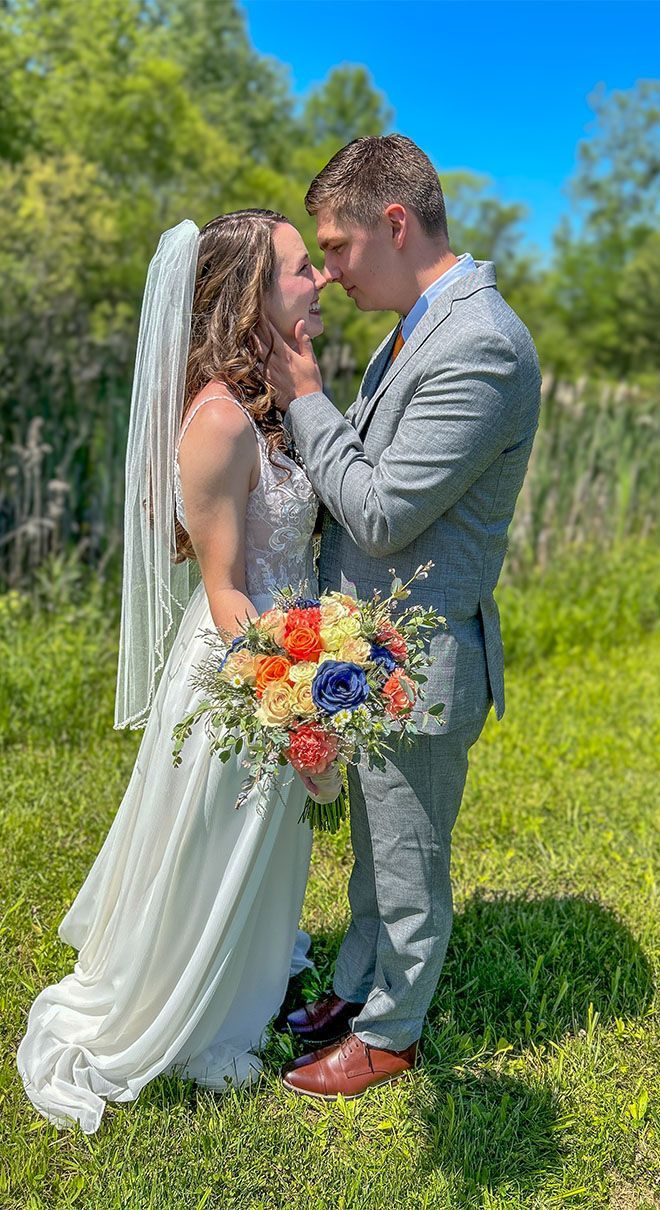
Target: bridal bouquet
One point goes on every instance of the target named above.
(310, 682)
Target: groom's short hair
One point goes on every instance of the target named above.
(374, 172)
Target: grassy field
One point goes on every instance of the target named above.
(541, 1049)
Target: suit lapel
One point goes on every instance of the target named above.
(483, 277)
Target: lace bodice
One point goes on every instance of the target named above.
(280, 518)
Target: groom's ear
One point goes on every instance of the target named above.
(397, 217)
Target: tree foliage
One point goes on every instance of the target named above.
(604, 294)
(346, 106)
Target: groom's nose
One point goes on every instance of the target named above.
(330, 272)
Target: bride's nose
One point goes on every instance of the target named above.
(320, 280)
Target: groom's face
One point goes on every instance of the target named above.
(359, 259)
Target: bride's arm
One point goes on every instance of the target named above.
(217, 458)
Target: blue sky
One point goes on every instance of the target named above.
(500, 87)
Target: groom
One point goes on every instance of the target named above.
(426, 465)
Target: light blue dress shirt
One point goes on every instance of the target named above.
(465, 264)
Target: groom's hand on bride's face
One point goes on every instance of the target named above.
(293, 371)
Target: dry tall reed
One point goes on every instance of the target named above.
(592, 479)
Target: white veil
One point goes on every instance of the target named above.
(155, 590)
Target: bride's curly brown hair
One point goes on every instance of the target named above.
(235, 270)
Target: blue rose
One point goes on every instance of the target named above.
(339, 686)
(235, 645)
(383, 656)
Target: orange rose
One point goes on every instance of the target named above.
(269, 669)
(400, 692)
(303, 643)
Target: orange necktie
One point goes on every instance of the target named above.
(398, 345)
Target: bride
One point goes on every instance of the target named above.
(186, 925)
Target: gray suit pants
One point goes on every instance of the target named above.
(400, 889)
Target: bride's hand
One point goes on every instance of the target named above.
(310, 785)
(324, 787)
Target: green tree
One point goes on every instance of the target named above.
(611, 245)
(480, 223)
(618, 175)
(242, 94)
(639, 295)
(116, 149)
(345, 107)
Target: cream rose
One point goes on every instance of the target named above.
(304, 671)
(355, 651)
(350, 627)
(345, 598)
(332, 637)
(301, 699)
(240, 663)
(276, 706)
(326, 655)
(332, 611)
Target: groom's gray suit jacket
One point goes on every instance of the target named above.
(427, 464)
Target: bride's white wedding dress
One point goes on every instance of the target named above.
(186, 925)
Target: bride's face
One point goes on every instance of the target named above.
(294, 294)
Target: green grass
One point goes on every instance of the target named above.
(541, 1049)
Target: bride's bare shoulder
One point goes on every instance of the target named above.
(216, 434)
(215, 406)
(215, 415)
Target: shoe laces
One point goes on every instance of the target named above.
(351, 1044)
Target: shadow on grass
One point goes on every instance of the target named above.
(527, 968)
(520, 970)
(489, 1131)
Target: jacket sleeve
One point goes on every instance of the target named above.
(459, 419)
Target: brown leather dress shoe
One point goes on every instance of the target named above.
(349, 1068)
(323, 1021)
